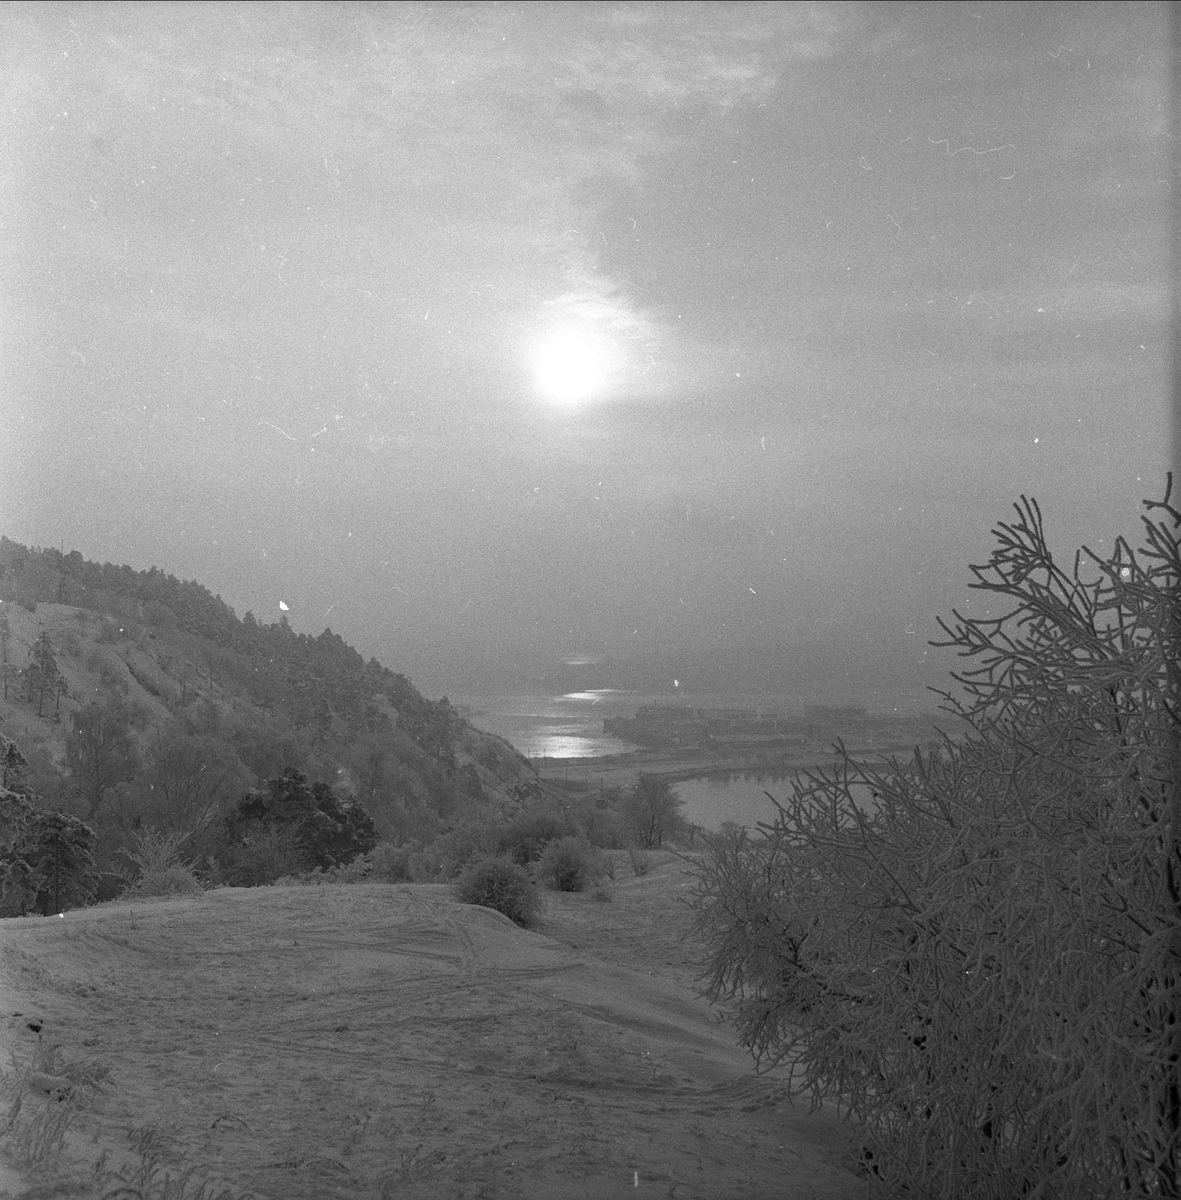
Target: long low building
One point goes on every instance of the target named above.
(660, 726)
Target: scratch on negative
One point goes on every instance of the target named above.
(278, 430)
(952, 153)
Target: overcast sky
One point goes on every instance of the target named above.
(497, 335)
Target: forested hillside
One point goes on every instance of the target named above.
(142, 700)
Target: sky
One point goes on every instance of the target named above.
(590, 341)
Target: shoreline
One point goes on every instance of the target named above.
(677, 766)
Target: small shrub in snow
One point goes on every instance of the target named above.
(526, 837)
(390, 864)
(568, 865)
(161, 870)
(174, 880)
(501, 884)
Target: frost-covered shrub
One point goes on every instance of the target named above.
(159, 869)
(603, 827)
(570, 864)
(467, 843)
(525, 838)
(357, 871)
(390, 864)
(503, 885)
(975, 952)
(326, 830)
(175, 880)
(360, 870)
(263, 853)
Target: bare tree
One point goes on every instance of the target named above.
(99, 750)
(194, 779)
(652, 811)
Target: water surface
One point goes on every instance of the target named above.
(741, 798)
(545, 725)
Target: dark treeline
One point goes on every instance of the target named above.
(310, 679)
(172, 746)
(157, 707)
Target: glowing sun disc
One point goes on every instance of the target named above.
(572, 365)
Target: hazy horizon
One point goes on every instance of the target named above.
(584, 341)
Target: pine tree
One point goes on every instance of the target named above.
(8, 673)
(41, 675)
(57, 848)
(14, 767)
(46, 862)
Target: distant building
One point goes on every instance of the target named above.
(673, 726)
(760, 741)
(834, 714)
(728, 714)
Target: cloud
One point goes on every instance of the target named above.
(665, 56)
(623, 72)
(492, 136)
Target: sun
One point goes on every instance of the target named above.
(572, 364)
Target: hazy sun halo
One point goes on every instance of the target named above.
(571, 365)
